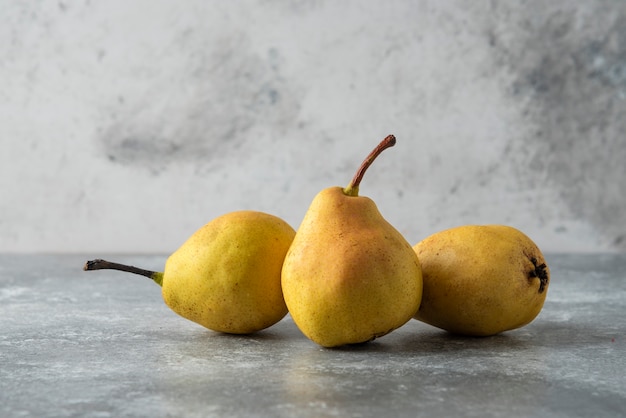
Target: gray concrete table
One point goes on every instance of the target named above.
(103, 344)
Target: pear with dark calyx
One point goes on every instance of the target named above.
(226, 276)
(481, 280)
(349, 276)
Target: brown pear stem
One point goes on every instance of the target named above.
(353, 187)
(99, 264)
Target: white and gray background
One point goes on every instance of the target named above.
(126, 125)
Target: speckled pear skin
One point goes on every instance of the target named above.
(226, 276)
(349, 276)
(481, 280)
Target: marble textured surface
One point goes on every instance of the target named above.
(128, 125)
(103, 344)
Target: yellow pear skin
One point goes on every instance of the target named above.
(349, 276)
(481, 280)
(226, 276)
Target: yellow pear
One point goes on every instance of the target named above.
(226, 276)
(481, 280)
(349, 275)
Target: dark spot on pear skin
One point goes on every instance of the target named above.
(540, 271)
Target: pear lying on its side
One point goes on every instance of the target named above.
(226, 276)
(481, 280)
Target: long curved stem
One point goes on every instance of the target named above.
(353, 188)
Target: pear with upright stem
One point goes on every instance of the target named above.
(349, 276)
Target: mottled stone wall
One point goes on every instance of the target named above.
(127, 125)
